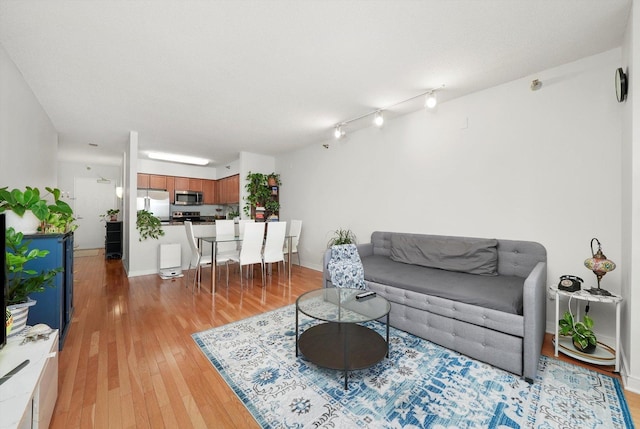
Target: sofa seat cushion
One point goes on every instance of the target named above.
(503, 293)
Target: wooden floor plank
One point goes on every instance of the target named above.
(129, 360)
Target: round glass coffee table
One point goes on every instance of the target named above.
(341, 343)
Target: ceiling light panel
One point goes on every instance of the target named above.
(182, 159)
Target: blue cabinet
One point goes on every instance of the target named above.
(55, 305)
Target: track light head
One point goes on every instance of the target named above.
(378, 119)
(338, 132)
(431, 100)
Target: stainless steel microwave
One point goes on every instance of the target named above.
(188, 198)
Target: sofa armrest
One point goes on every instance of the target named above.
(535, 314)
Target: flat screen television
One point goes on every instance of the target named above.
(3, 278)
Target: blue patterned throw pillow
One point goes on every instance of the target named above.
(345, 267)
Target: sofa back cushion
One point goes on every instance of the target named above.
(460, 254)
(515, 257)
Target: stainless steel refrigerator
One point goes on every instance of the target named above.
(156, 202)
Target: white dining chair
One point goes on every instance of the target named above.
(197, 260)
(274, 243)
(226, 252)
(241, 224)
(251, 251)
(295, 229)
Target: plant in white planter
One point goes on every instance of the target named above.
(23, 281)
(55, 217)
(111, 214)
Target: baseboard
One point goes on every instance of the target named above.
(631, 383)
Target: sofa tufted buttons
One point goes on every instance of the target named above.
(484, 317)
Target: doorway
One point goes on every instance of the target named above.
(93, 197)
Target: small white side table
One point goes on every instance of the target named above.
(604, 354)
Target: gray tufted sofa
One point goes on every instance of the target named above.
(485, 298)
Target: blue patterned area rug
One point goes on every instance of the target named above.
(420, 385)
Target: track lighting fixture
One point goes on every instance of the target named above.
(431, 100)
(378, 119)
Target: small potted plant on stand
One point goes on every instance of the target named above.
(584, 340)
(22, 281)
(112, 214)
(273, 179)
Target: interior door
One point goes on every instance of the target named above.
(93, 197)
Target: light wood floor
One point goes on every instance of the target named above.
(129, 360)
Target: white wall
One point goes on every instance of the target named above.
(68, 171)
(505, 163)
(631, 210)
(173, 169)
(146, 252)
(254, 163)
(28, 139)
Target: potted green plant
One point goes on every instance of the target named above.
(21, 280)
(148, 225)
(257, 191)
(272, 206)
(273, 179)
(342, 236)
(581, 333)
(46, 217)
(112, 214)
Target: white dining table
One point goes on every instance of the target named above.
(226, 239)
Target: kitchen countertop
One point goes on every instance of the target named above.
(180, 222)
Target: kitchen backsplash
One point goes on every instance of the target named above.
(207, 209)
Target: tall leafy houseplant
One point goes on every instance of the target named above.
(148, 225)
(257, 191)
(22, 281)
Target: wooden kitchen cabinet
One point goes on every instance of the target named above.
(228, 190)
(157, 182)
(143, 181)
(209, 191)
(182, 184)
(171, 189)
(231, 189)
(195, 185)
(234, 188)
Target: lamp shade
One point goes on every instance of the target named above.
(600, 265)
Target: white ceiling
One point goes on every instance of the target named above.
(213, 78)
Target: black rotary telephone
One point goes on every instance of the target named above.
(569, 283)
